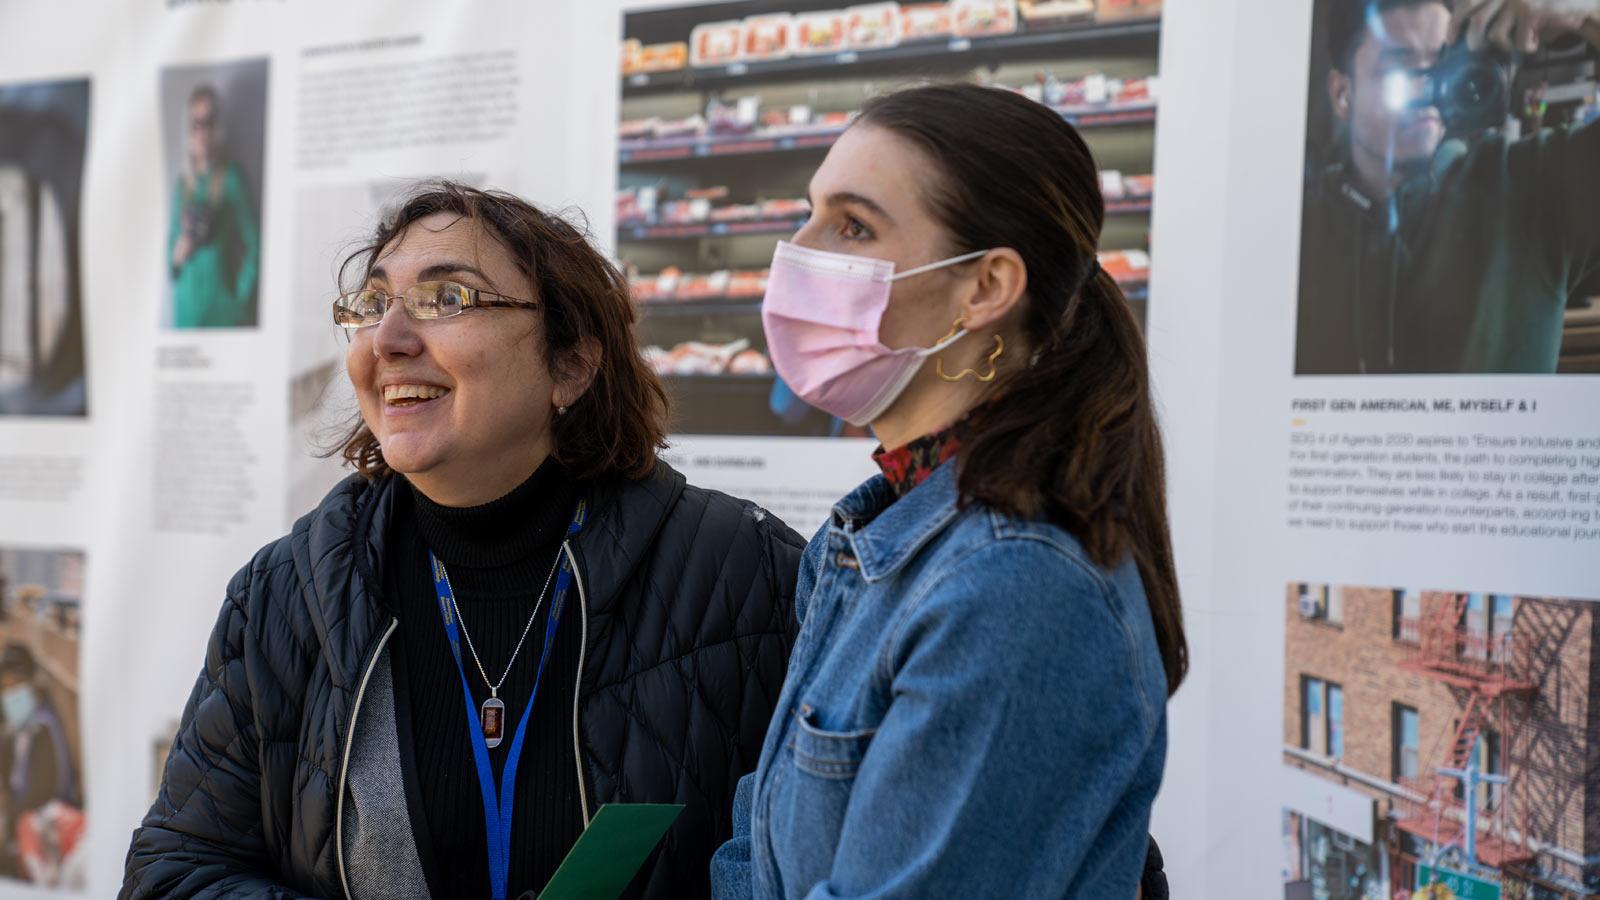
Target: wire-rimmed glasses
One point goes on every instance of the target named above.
(425, 301)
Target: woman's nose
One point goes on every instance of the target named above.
(396, 333)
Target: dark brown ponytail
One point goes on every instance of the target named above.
(1073, 436)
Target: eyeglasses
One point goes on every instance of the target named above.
(425, 300)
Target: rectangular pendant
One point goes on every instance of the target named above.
(493, 716)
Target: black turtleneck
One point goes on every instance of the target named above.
(498, 556)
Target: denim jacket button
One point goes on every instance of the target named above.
(845, 561)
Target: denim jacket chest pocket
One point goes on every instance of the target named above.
(811, 795)
(833, 755)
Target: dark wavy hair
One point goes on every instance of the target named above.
(614, 429)
(1350, 21)
(1072, 436)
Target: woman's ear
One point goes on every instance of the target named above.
(1001, 282)
(575, 371)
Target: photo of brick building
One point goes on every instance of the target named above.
(1383, 688)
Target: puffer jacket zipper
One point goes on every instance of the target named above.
(577, 684)
(349, 740)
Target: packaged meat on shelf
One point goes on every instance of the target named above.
(868, 26)
(1139, 185)
(1116, 10)
(1117, 186)
(1126, 267)
(645, 59)
(924, 21)
(645, 206)
(1055, 11)
(872, 26)
(745, 116)
(672, 284)
(699, 358)
(819, 33)
(983, 18)
(768, 37)
(1091, 91)
(715, 43)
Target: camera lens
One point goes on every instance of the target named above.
(1470, 89)
(1477, 85)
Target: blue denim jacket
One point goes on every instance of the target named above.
(973, 709)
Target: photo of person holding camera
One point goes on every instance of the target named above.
(1453, 216)
(213, 229)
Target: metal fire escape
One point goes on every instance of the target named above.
(1489, 675)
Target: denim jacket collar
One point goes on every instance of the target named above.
(889, 539)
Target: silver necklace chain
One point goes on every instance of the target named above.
(494, 689)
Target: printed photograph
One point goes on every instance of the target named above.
(728, 108)
(215, 119)
(43, 135)
(1452, 736)
(42, 819)
(1452, 173)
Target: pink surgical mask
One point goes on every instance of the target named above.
(821, 314)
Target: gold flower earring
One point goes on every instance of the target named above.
(999, 349)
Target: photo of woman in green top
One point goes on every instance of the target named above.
(213, 237)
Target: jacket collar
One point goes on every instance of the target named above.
(337, 550)
(623, 521)
(373, 506)
(624, 518)
(886, 533)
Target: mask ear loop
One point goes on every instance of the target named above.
(999, 348)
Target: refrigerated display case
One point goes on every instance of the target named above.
(714, 156)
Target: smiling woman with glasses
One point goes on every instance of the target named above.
(512, 614)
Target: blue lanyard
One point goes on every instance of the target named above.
(497, 805)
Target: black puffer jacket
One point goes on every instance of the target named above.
(687, 601)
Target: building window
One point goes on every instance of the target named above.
(1407, 616)
(1500, 615)
(1317, 602)
(1313, 717)
(1406, 742)
(1475, 628)
(1491, 762)
(1321, 717)
(1488, 758)
(1486, 623)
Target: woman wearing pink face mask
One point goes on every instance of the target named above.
(975, 705)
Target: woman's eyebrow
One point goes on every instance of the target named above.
(436, 271)
(841, 198)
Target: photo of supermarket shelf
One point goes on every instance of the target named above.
(1440, 744)
(728, 108)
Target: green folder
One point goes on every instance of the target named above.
(610, 851)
